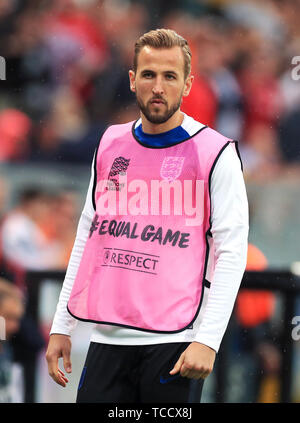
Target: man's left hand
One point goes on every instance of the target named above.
(195, 362)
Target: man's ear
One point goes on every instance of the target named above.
(132, 80)
(188, 85)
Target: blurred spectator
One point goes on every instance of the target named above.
(202, 101)
(289, 85)
(23, 241)
(11, 312)
(215, 58)
(62, 227)
(4, 192)
(66, 135)
(254, 307)
(289, 136)
(263, 105)
(260, 86)
(261, 16)
(75, 40)
(3, 205)
(122, 23)
(255, 346)
(68, 61)
(14, 131)
(28, 64)
(8, 270)
(35, 235)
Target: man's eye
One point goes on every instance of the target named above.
(170, 76)
(147, 75)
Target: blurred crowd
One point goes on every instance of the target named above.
(36, 234)
(67, 65)
(67, 74)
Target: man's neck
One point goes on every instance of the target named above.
(158, 128)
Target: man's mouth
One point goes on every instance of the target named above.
(157, 101)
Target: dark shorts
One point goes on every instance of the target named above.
(135, 373)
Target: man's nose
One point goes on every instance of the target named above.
(158, 87)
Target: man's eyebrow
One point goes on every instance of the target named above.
(165, 72)
(147, 71)
(171, 72)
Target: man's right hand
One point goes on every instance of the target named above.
(59, 346)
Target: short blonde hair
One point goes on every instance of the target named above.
(164, 38)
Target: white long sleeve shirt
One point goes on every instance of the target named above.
(228, 253)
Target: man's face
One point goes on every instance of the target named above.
(159, 82)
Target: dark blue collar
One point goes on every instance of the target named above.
(173, 136)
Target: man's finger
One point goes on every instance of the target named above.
(199, 374)
(52, 365)
(186, 371)
(62, 376)
(205, 374)
(193, 373)
(67, 361)
(58, 378)
(55, 372)
(178, 364)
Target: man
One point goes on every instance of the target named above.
(11, 313)
(158, 269)
(24, 241)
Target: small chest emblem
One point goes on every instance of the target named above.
(119, 167)
(171, 168)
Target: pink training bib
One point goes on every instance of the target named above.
(145, 259)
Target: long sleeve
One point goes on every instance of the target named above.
(230, 236)
(63, 322)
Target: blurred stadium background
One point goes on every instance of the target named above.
(67, 67)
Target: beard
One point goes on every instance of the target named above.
(156, 117)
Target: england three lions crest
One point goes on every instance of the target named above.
(171, 168)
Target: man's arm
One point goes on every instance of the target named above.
(230, 233)
(63, 323)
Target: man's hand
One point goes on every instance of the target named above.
(195, 362)
(59, 346)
